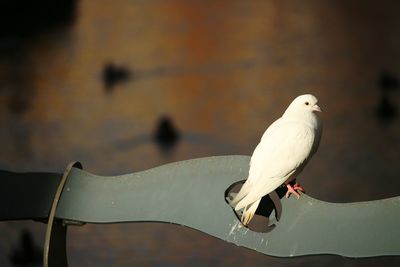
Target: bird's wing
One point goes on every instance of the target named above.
(267, 133)
(277, 156)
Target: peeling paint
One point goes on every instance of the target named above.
(233, 228)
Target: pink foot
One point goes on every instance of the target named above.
(295, 190)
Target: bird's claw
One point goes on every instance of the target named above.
(295, 190)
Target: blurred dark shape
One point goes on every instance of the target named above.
(22, 18)
(26, 254)
(386, 110)
(19, 101)
(20, 22)
(166, 135)
(113, 74)
(388, 81)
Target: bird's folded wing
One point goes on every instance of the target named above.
(281, 151)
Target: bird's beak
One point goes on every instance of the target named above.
(317, 108)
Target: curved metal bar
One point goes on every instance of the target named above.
(192, 193)
(54, 252)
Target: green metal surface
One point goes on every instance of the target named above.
(192, 193)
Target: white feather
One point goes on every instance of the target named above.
(282, 153)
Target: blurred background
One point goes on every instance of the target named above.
(126, 85)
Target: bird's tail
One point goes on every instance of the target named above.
(249, 211)
(239, 196)
(241, 202)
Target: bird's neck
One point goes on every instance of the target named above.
(309, 118)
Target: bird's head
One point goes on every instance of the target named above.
(304, 104)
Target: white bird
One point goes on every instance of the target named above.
(285, 148)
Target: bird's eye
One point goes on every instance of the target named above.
(307, 103)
